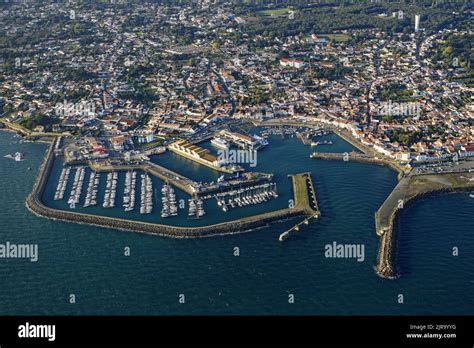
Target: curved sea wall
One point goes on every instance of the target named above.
(34, 204)
(385, 267)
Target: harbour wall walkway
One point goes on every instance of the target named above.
(179, 181)
(34, 203)
(305, 199)
(407, 191)
(358, 157)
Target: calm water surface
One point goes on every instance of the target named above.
(89, 262)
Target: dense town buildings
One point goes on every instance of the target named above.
(152, 73)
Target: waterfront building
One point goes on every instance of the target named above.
(195, 153)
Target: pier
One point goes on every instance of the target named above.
(304, 199)
(362, 157)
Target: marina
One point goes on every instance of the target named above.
(173, 163)
(220, 143)
(305, 198)
(282, 131)
(230, 192)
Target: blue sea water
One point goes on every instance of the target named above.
(89, 262)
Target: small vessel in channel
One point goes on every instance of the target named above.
(17, 156)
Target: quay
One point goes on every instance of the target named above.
(362, 157)
(34, 204)
(179, 181)
(304, 199)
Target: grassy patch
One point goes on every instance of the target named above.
(157, 142)
(453, 180)
(301, 192)
(336, 37)
(274, 12)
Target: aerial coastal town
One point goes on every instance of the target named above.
(136, 77)
(237, 158)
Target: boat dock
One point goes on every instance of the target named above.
(177, 180)
(246, 196)
(305, 199)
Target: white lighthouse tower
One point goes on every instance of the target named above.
(417, 23)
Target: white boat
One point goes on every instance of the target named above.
(220, 143)
(17, 156)
(283, 236)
